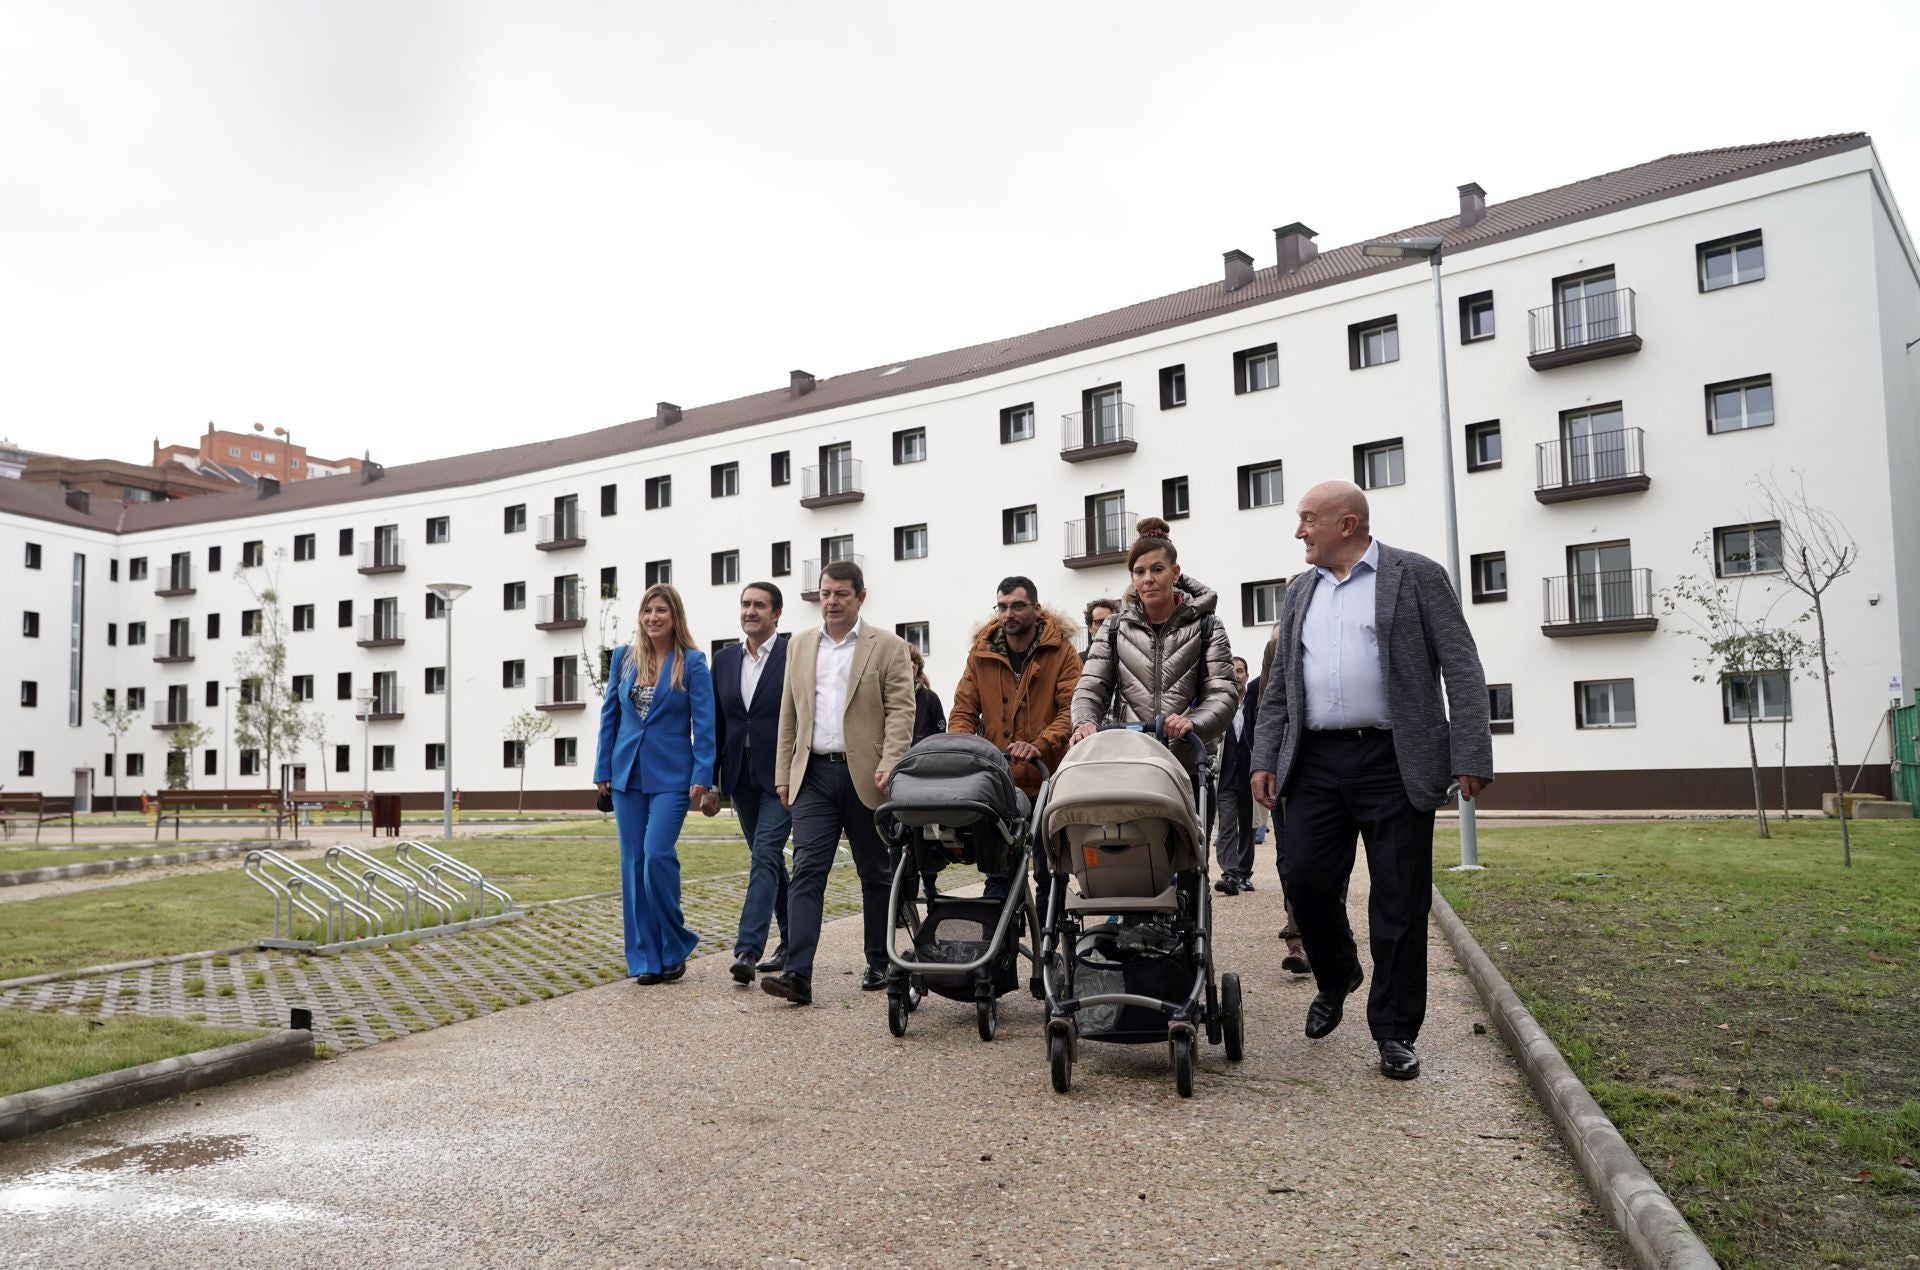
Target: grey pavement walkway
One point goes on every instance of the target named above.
(704, 1124)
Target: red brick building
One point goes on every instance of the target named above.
(256, 454)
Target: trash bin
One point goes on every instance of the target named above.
(386, 814)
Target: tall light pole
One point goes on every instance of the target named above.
(448, 593)
(364, 699)
(1429, 249)
(226, 737)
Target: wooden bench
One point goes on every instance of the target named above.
(38, 808)
(308, 800)
(264, 803)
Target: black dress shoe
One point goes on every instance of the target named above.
(674, 973)
(1326, 1009)
(789, 987)
(742, 968)
(647, 980)
(774, 964)
(874, 980)
(1226, 885)
(1246, 884)
(1398, 1061)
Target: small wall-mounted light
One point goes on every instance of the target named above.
(1874, 598)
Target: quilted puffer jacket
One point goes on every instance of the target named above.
(1184, 668)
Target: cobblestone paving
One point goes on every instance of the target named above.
(375, 994)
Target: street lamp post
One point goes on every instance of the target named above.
(1429, 249)
(226, 738)
(364, 699)
(448, 593)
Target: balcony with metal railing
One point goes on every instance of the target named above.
(810, 574)
(560, 529)
(562, 610)
(559, 692)
(1591, 466)
(171, 714)
(1094, 541)
(1612, 602)
(383, 555)
(382, 705)
(177, 580)
(1097, 433)
(380, 629)
(173, 647)
(1599, 324)
(831, 484)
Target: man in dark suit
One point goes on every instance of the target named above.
(1233, 829)
(1358, 735)
(746, 694)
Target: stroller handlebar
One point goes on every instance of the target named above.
(1159, 729)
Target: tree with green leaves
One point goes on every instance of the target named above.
(269, 719)
(186, 738)
(594, 661)
(316, 725)
(525, 728)
(116, 719)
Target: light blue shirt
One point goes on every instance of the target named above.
(1341, 650)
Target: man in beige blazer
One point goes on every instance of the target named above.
(846, 717)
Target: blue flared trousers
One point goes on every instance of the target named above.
(657, 936)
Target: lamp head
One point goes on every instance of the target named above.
(1403, 248)
(448, 591)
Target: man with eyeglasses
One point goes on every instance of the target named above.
(1017, 692)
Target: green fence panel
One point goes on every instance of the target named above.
(1906, 763)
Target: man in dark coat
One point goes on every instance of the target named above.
(746, 698)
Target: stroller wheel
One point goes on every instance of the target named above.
(1230, 1017)
(987, 1015)
(1181, 1044)
(916, 993)
(1060, 1058)
(897, 1011)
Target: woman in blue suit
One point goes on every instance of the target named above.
(656, 750)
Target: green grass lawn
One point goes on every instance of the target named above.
(1747, 1011)
(47, 1049)
(224, 908)
(30, 857)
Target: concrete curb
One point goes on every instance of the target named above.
(116, 967)
(127, 864)
(40, 1109)
(1656, 1233)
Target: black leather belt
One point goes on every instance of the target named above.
(836, 756)
(1351, 734)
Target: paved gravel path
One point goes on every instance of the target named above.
(702, 1124)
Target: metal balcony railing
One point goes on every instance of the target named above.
(1597, 318)
(382, 626)
(1593, 459)
(560, 527)
(173, 646)
(384, 702)
(172, 714)
(382, 555)
(1599, 599)
(839, 480)
(1105, 428)
(564, 605)
(557, 691)
(810, 573)
(176, 580)
(1097, 539)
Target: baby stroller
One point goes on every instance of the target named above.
(951, 800)
(1131, 828)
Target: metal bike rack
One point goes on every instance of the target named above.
(298, 890)
(441, 872)
(378, 885)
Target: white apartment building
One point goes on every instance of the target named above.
(1626, 353)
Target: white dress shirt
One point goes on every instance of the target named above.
(832, 666)
(751, 664)
(1341, 650)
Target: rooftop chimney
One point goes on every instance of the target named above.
(1473, 204)
(266, 487)
(370, 471)
(667, 413)
(1239, 269)
(801, 383)
(1295, 242)
(79, 500)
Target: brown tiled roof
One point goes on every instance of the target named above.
(1646, 182)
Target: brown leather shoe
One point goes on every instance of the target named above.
(1296, 958)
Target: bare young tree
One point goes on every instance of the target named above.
(607, 635)
(116, 719)
(1789, 652)
(316, 726)
(268, 719)
(526, 727)
(1816, 551)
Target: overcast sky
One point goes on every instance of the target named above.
(425, 228)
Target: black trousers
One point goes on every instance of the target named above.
(825, 806)
(1346, 784)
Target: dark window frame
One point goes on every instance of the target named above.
(1480, 595)
(1243, 478)
(1245, 356)
(1468, 303)
(780, 471)
(1247, 596)
(1173, 386)
(1355, 341)
(610, 500)
(1719, 550)
(1474, 432)
(1743, 383)
(1007, 517)
(781, 564)
(1007, 414)
(1728, 242)
(659, 492)
(1168, 486)
(717, 476)
(513, 518)
(900, 533)
(900, 440)
(1360, 453)
(1500, 727)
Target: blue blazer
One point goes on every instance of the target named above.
(748, 729)
(670, 752)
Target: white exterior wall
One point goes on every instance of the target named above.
(1822, 323)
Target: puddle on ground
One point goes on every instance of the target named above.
(173, 1155)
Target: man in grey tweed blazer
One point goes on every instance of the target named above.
(1375, 705)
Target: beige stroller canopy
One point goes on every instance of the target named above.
(1116, 776)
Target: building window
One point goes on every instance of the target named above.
(659, 573)
(1740, 404)
(438, 529)
(30, 626)
(725, 480)
(233, 451)
(249, 623)
(136, 765)
(565, 751)
(1173, 386)
(1256, 369)
(303, 687)
(1605, 704)
(342, 687)
(1739, 550)
(1175, 501)
(213, 559)
(25, 766)
(839, 547)
(1483, 446)
(910, 542)
(513, 754)
(252, 555)
(1016, 424)
(436, 680)
(113, 634)
(342, 758)
(1380, 464)
(1586, 308)
(137, 698)
(659, 492)
(1500, 707)
(1489, 577)
(303, 547)
(910, 446)
(513, 673)
(609, 500)
(726, 568)
(1728, 262)
(345, 538)
(303, 617)
(436, 607)
(1764, 696)
(1020, 524)
(513, 596)
(137, 569)
(1374, 342)
(1260, 601)
(609, 582)
(1476, 317)
(782, 563)
(782, 467)
(917, 634)
(33, 555)
(436, 756)
(213, 625)
(1260, 485)
(514, 519)
(29, 694)
(383, 758)
(136, 631)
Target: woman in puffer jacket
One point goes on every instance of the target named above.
(1164, 654)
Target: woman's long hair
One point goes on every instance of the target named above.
(640, 651)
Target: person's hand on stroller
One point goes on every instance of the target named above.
(1081, 733)
(1176, 726)
(1023, 751)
